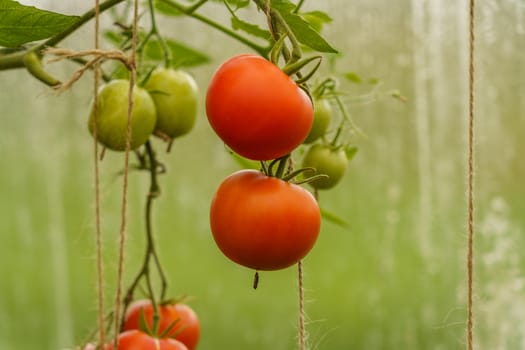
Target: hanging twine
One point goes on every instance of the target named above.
(94, 63)
(122, 236)
(470, 200)
(99, 263)
(302, 328)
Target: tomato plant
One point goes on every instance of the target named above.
(183, 321)
(260, 111)
(322, 118)
(256, 109)
(175, 94)
(137, 340)
(328, 160)
(112, 121)
(262, 222)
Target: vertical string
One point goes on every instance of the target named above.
(100, 286)
(302, 331)
(122, 236)
(470, 200)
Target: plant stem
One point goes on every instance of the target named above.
(155, 31)
(144, 272)
(346, 119)
(194, 7)
(154, 193)
(190, 11)
(298, 6)
(12, 60)
(275, 16)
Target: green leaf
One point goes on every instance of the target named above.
(166, 9)
(353, 77)
(303, 31)
(21, 24)
(317, 19)
(350, 152)
(239, 24)
(181, 55)
(333, 218)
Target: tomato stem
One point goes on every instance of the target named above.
(295, 67)
(329, 84)
(149, 161)
(34, 66)
(297, 52)
(154, 31)
(345, 119)
(276, 19)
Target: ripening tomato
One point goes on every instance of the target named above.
(322, 118)
(327, 160)
(262, 222)
(185, 330)
(256, 109)
(176, 97)
(137, 340)
(112, 121)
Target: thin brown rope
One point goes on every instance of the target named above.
(470, 200)
(99, 262)
(122, 236)
(302, 328)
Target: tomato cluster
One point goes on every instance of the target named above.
(178, 328)
(260, 221)
(175, 320)
(166, 106)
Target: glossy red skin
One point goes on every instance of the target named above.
(187, 318)
(256, 109)
(137, 340)
(262, 222)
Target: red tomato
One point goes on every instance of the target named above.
(137, 340)
(186, 330)
(256, 109)
(262, 222)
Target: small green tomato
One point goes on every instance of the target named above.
(327, 160)
(322, 119)
(176, 97)
(112, 121)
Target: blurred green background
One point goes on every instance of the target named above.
(395, 279)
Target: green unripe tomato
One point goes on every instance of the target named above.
(112, 121)
(176, 97)
(328, 160)
(322, 119)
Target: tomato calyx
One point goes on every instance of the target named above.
(295, 67)
(286, 173)
(153, 329)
